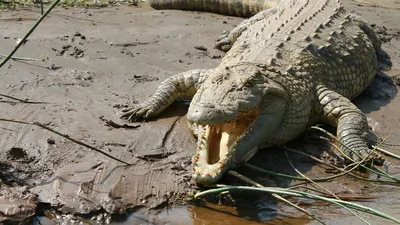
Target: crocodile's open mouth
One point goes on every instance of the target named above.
(216, 145)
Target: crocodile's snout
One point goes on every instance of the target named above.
(207, 113)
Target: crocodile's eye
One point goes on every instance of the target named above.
(250, 82)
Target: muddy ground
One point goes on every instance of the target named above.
(95, 61)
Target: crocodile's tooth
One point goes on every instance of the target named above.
(198, 129)
(218, 128)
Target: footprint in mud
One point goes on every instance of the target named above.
(69, 49)
(74, 52)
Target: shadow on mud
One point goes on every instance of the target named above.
(380, 92)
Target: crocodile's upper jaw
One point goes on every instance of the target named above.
(217, 149)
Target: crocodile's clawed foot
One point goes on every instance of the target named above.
(372, 159)
(138, 112)
(224, 43)
(377, 159)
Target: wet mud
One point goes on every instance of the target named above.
(92, 63)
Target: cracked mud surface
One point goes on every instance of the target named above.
(95, 62)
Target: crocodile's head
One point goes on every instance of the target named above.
(236, 110)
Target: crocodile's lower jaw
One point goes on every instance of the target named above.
(217, 146)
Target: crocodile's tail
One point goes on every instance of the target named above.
(242, 8)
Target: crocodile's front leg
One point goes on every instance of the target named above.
(227, 38)
(183, 85)
(352, 125)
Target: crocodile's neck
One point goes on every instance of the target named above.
(293, 26)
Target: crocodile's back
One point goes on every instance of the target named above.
(314, 40)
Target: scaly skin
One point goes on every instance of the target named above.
(257, 9)
(297, 65)
(224, 7)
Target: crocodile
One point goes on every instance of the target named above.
(292, 64)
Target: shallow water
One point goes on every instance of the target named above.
(263, 210)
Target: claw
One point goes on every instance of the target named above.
(223, 42)
(130, 118)
(226, 48)
(378, 159)
(137, 112)
(223, 35)
(373, 159)
(126, 114)
(224, 45)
